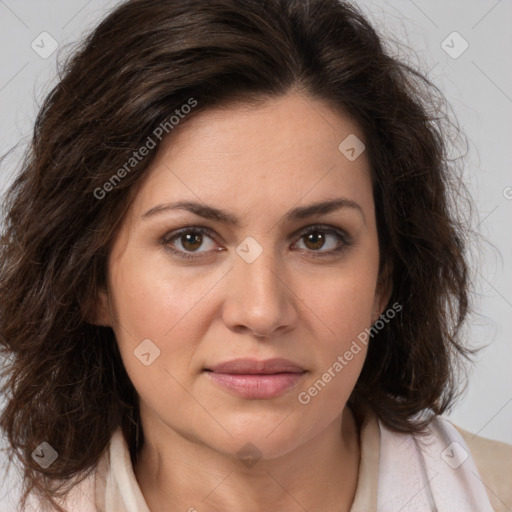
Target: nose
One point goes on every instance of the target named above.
(260, 300)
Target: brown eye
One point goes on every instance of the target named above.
(315, 240)
(323, 241)
(185, 242)
(191, 241)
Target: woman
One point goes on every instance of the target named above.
(219, 290)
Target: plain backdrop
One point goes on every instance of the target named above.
(462, 44)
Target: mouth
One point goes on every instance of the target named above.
(254, 379)
(255, 367)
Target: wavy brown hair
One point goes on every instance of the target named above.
(64, 381)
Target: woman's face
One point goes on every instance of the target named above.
(271, 274)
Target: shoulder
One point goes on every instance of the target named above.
(493, 460)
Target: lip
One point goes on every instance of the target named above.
(250, 378)
(255, 367)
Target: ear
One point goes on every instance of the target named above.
(100, 312)
(382, 292)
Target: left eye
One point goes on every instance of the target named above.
(318, 239)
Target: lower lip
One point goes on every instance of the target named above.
(256, 386)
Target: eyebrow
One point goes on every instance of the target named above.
(299, 213)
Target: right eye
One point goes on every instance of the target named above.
(186, 241)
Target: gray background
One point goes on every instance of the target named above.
(478, 84)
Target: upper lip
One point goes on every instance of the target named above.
(253, 366)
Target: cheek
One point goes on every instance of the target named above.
(149, 302)
(344, 307)
(341, 306)
(150, 298)
(344, 301)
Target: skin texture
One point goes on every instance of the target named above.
(256, 163)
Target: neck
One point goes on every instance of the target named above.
(178, 473)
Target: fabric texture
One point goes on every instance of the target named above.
(431, 472)
(447, 470)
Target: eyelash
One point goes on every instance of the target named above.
(325, 230)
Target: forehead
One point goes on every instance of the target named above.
(282, 151)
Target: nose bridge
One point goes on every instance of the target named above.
(258, 270)
(258, 297)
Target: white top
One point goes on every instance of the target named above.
(403, 472)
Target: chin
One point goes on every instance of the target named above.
(269, 437)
